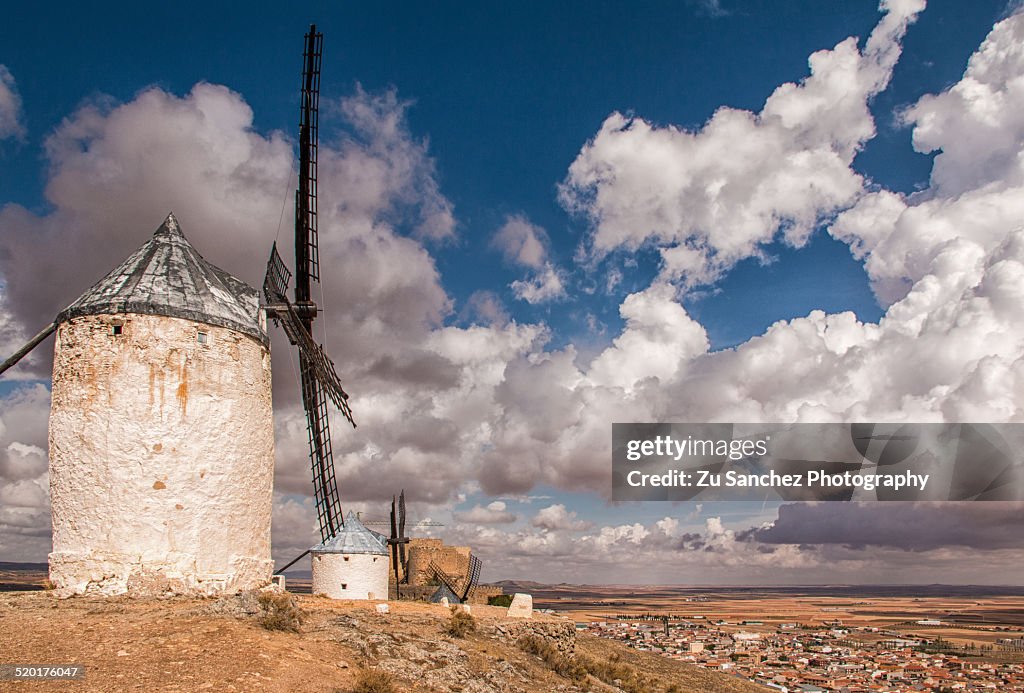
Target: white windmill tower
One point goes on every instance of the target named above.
(353, 564)
(161, 429)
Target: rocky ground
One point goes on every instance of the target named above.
(181, 644)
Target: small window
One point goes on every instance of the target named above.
(344, 585)
(345, 557)
(116, 329)
(202, 338)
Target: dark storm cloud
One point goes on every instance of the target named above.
(907, 526)
(417, 367)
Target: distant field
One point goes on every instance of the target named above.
(969, 614)
(978, 615)
(19, 577)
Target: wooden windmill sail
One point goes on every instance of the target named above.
(398, 540)
(320, 382)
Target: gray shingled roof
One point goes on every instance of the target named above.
(442, 592)
(167, 276)
(353, 538)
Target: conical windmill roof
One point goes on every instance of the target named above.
(353, 538)
(167, 276)
(444, 592)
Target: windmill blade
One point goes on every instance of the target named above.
(401, 513)
(329, 380)
(285, 315)
(320, 381)
(472, 576)
(395, 565)
(325, 485)
(307, 254)
(401, 532)
(275, 288)
(275, 281)
(32, 344)
(444, 578)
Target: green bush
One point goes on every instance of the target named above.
(500, 600)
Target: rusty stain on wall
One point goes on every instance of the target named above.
(183, 388)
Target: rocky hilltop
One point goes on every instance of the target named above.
(245, 643)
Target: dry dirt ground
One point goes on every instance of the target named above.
(217, 645)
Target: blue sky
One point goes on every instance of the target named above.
(498, 116)
(506, 97)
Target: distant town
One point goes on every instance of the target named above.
(816, 638)
(795, 658)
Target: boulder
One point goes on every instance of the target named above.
(521, 606)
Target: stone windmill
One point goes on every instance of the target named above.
(161, 429)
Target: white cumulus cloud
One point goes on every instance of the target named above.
(11, 116)
(556, 517)
(527, 245)
(712, 197)
(493, 513)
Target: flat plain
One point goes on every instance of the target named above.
(979, 615)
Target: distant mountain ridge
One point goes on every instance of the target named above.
(931, 590)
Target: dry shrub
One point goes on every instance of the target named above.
(556, 661)
(279, 611)
(612, 671)
(374, 681)
(460, 624)
(617, 673)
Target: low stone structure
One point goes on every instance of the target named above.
(521, 606)
(561, 634)
(480, 595)
(424, 552)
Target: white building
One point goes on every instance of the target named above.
(161, 430)
(351, 565)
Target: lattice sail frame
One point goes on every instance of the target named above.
(320, 381)
(468, 586)
(285, 315)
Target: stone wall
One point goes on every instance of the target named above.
(161, 457)
(423, 592)
(453, 560)
(561, 633)
(484, 592)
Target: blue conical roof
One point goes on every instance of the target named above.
(354, 537)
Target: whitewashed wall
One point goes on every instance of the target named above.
(161, 458)
(350, 576)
